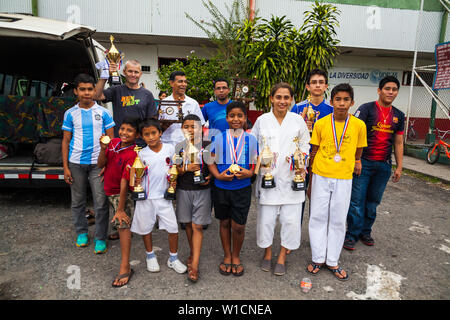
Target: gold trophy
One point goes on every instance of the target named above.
(114, 56)
(173, 174)
(298, 162)
(137, 171)
(310, 113)
(191, 156)
(267, 159)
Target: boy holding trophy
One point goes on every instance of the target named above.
(193, 189)
(156, 157)
(286, 136)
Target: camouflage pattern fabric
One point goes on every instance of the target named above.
(26, 119)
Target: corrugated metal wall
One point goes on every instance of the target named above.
(391, 29)
(104, 15)
(16, 6)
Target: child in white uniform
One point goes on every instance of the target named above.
(157, 158)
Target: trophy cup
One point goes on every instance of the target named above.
(137, 171)
(267, 160)
(114, 56)
(297, 163)
(310, 114)
(192, 154)
(173, 174)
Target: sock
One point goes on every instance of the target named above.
(173, 256)
(150, 255)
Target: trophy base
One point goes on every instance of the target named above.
(138, 195)
(199, 179)
(115, 80)
(298, 186)
(267, 183)
(170, 195)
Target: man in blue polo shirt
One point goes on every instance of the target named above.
(215, 112)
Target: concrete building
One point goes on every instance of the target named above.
(377, 37)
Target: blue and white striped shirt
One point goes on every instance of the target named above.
(87, 126)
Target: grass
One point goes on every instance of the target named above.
(425, 177)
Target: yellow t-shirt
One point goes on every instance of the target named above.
(322, 136)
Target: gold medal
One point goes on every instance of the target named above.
(234, 168)
(105, 140)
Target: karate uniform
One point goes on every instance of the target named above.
(281, 200)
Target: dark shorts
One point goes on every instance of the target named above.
(232, 204)
(129, 209)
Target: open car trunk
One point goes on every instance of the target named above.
(36, 64)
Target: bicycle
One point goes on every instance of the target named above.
(412, 134)
(435, 150)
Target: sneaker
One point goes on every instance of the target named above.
(152, 265)
(82, 240)
(177, 265)
(367, 240)
(349, 244)
(100, 246)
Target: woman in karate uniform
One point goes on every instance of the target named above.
(278, 129)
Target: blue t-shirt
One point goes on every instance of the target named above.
(223, 158)
(322, 110)
(216, 114)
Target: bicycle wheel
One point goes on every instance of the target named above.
(433, 154)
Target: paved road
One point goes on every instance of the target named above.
(410, 260)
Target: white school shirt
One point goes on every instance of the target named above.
(174, 134)
(155, 181)
(87, 126)
(280, 140)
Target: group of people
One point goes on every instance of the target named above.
(346, 166)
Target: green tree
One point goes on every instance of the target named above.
(319, 40)
(199, 72)
(222, 31)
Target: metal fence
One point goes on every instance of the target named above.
(428, 109)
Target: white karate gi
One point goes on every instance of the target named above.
(281, 200)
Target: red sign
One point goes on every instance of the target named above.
(442, 77)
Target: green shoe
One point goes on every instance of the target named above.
(100, 246)
(82, 240)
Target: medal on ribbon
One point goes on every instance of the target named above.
(337, 157)
(235, 151)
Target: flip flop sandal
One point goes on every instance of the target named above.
(121, 276)
(337, 271)
(193, 275)
(315, 267)
(227, 265)
(236, 266)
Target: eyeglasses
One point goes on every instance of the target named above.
(221, 88)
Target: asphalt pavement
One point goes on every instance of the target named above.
(410, 259)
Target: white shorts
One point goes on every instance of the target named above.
(146, 212)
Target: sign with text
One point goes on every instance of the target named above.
(442, 76)
(360, 77)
